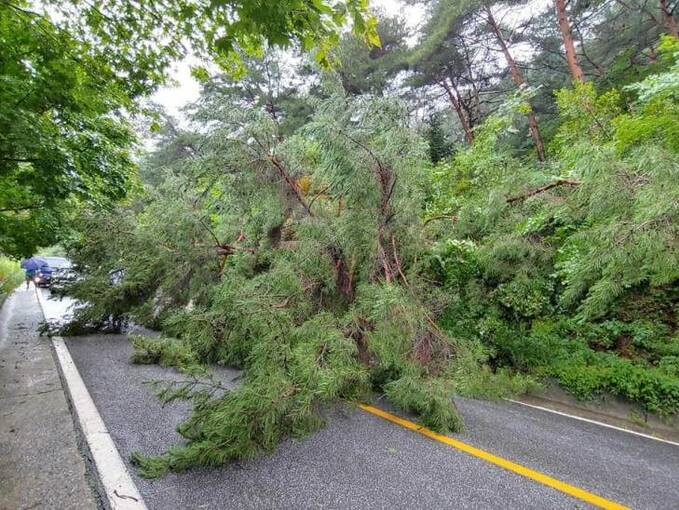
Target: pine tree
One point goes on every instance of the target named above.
(439, 147)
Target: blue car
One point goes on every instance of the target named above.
(54, 268)
(43, 277)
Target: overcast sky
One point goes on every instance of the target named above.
(187, 89)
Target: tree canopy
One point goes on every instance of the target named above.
(62, 138)
(72, 73)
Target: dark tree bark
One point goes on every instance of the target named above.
(456, 104)
(344, 278)
(668, 19)
(519, 80)
(542, 189)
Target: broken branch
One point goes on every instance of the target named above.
(547, 187)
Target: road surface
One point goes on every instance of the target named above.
(360, 460)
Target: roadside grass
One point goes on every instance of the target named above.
(11, 276)
(587, 360)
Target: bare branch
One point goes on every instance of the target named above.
(547, 187)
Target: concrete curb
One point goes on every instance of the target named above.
(608, 411)
(595, 422)
(119, 489)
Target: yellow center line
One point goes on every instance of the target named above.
(542, 478)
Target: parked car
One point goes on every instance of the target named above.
(43, 276)
(57, 268)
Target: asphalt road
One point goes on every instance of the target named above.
(361, 461)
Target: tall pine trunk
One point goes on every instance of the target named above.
(668, 19)
(519, 80)
(567, 35)
(456, 104)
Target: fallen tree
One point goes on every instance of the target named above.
(317, 300)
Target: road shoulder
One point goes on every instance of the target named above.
(40, 461)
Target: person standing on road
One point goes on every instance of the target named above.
(30, 273)
(32, 267)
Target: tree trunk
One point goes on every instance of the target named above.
(535, 135)
(519, 80)
(476, 106)
(668, 18)
(344, 278)
(567, 35)
(457, 108)
(292, 185)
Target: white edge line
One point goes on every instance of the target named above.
(580, 418)
(121, 492)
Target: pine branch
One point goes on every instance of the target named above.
(319, 194)
(450, 217)
(290, 182)
(547, 187)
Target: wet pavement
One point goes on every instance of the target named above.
(40, 462)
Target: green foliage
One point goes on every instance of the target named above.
(70, 77)
(430, 399)
(55, 250)
(366, 69)
(454, 263)
(474, 378)
(11, 275)
(147, 36)
(525, 296)
(656, 118)
(655, 389)
(586, 359)
(585, 114)
(63, 141)
(272, 403)
(165, 352)
(663, 86)
(439, 147)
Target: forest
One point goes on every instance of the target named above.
(480, 204)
